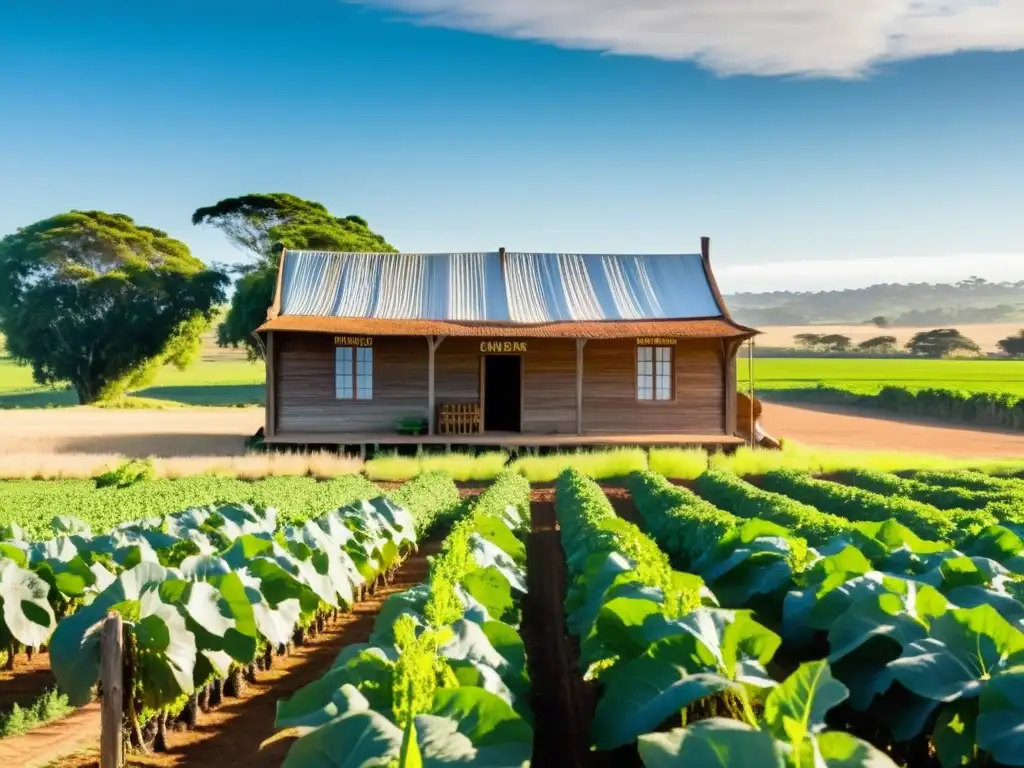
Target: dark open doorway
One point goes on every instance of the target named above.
(503, 387)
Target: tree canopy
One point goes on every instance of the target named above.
(261, 225)
(829, 342)
(1013, 345)
(941, 342)
(878, 344)
(95, 300)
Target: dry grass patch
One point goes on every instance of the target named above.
(250, 466)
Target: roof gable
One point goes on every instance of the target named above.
(508, 288)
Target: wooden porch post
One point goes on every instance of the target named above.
(580, 343)
(270, 392)
(433, 342)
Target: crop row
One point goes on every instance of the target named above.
(31, 504)
(927, 637)
(208, 595)
(660, 650)
(443, 680)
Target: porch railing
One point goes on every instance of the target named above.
(459, 418)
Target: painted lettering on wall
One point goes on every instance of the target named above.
(502, 346)
(654, 341)
(353, 341)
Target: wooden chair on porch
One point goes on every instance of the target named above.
(459, 419)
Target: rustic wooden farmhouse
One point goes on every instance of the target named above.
(501, 348)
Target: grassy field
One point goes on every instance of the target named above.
(219, 377)
(870, 375)
(226, 378)
(207, 382)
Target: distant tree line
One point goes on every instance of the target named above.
(100, 302)
(940, 305)
(940, 342)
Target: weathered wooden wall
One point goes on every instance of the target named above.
(305, 385)
(549, 387)
(609, 399)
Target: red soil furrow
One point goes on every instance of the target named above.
(558, 701)
(563, 704)
(26, 681)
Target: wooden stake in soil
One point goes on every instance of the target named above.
(112, 679)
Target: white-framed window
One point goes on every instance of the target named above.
(654, 373)
(353, 373)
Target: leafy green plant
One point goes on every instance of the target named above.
(729, 492)
(48, 706)
(791, 734)
(858, 505)
(443, 680)
(126, 474)
(207, 595)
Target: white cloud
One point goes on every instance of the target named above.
(831, 38)
(826, 275)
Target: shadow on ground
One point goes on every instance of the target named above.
(157, 445)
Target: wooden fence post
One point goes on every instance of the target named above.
(112, 678)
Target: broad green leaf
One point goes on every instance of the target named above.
(442, 744)
(13, 552)
(644, 692)
(275, 622)
(795, 709)
(712, 743)
(245, 548)
(997, 543)
(357, 740)
(481, 716)
(954, 733)
(486, 553)
(1000, 727)
(336, 694)
(903, 617)
(497, 532)
(489, 587)
(731, 638)
(203, 567)
(74, 646)
(619, 630)
(507, 642)
(63, 524)
(27, 614)
(965, 647)
(841, 750)
(470, 642)
(895, 536)
(471, 674)
(167, 652)
(411, 602)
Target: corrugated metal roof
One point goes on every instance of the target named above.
(479, 287)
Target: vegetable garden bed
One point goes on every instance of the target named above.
(863, 620)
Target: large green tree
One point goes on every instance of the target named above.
(941, 342)
(1013, 345)
(95, 300)
(261, 225)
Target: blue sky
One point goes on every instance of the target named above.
(836, 144)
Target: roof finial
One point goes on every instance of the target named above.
(705, 248)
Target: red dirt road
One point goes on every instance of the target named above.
(858, 429)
